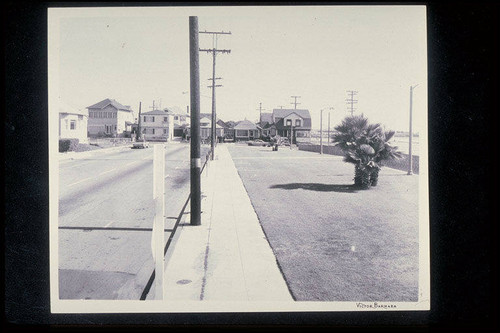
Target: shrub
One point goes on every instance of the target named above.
(68, 145)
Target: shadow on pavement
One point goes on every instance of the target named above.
(351, 188)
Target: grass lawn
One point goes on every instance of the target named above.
(333, 242)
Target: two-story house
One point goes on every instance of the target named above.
(157, 125)
(108, 117)
(284, 122)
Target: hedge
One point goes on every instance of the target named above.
(68, 145)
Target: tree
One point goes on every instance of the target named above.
(366, 146)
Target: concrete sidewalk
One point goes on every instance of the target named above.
(227, 257)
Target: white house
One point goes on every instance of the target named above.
(72, 123)
(157, 125)
(108, 117)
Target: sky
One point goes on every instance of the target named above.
(141, 54)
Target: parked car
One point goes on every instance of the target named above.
(284, 141)
(140, 144)
(258, 142)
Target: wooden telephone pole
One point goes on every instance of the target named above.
(295, 101)
(214, 52)
(351, 101)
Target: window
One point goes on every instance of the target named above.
(153, 120)
(72, 125)
(297, 122)
(153, 128)
(175, 118)
(241, 133)
(115, 127)
(164, 131)
(165, 119)
(289, 122)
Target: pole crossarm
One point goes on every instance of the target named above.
(215, 50)
(217, 85)
(215, 32)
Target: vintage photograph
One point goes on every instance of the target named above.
(243, 158)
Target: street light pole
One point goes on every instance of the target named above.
(410, 157)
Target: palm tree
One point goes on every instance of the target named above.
(366, 146)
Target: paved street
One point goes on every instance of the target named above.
(333, 242)
(106, 216)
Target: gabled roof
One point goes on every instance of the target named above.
(245, 125)
(221, 123)
(281, 113)
(104, 103)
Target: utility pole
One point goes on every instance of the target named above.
(328, 143)
(410, 157)
(153, 107)
(214, 52)
(194, 69)
(321, 132)
(138, 134)
(351, 101)
(295, 101)
(260, 113)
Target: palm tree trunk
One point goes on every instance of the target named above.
(374, 177)
(361, 178)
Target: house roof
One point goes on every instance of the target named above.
(104, 103)
(281, 113)
(245, 125)
(221, 123)
(156, 112)
(66, 108)
(266, 117)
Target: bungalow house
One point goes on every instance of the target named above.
(72, 123)
(110, 118)
(157, 125)
(246, 130)
(229, 130)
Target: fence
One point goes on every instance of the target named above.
(399, 164)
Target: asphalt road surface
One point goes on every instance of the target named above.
(333, 242)
(106, 216)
